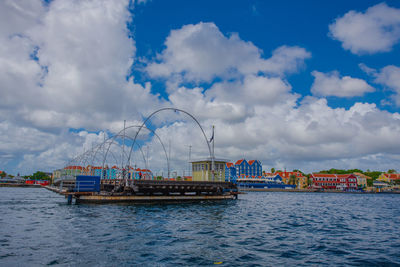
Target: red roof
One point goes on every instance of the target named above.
(229, 164)
(323, 175)
(251, 162)
(345, 175)
(73, 168)
(288, 174)
(392, 176)
(239, 162)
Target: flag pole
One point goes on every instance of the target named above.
(213, 157)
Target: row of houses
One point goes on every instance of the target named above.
(343, 182)
(106, 173)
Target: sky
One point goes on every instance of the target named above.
(307, 85)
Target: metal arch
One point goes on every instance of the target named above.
(112, 142)
(174, 109)
(140, 127)
(129, 158)
(115, 158)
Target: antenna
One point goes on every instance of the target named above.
(190, 153)
(169, 156)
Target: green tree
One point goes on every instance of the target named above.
(272, 170)
(3, 174)
(391, 171)
(40, 176)
(296, 170)
(373, 174)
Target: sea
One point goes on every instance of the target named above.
(39, 228)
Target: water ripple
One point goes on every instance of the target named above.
(260, 229)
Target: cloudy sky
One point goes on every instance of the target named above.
(296, 84)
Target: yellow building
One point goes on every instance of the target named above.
(201, 170)
(389, 177)
(302, 182)
(383, 178)
(361, 179)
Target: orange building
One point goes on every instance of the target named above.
(301, 179)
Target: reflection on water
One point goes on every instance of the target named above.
(261, 228)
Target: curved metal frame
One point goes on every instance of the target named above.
(185, 112)
(129, 157)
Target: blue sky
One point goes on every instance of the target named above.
(296, 84)
(269, 25)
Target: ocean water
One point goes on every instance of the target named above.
(38, 228)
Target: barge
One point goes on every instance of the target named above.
(90, 189)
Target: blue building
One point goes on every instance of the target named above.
(230, 172)
(255, 168)
(242, 168)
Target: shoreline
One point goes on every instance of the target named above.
(311, 191)
(20, 185)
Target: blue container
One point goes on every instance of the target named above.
(87, 183)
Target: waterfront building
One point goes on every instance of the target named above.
(105, 173)
(389, 177)
(301, 180)
(361, 179)
(201, 170)
(255, 168)
(73, 170)
(344, 182)
(242, 168)
(274, 179)
(379, 185)
(230, 172)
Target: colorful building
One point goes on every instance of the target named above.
(362, 179)
(105, 173)
(301, 181)
(255, 168)
(389, 178)
(230, 172)
(201, 170)
(344, 182)
(242, 168)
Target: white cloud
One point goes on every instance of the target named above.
(18, 16)
(309, 136)
(201, 52)
(66, 65)
(331, 84)
(376, 30)
(251, 90)
(390, 77)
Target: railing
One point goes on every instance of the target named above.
(85, 186)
